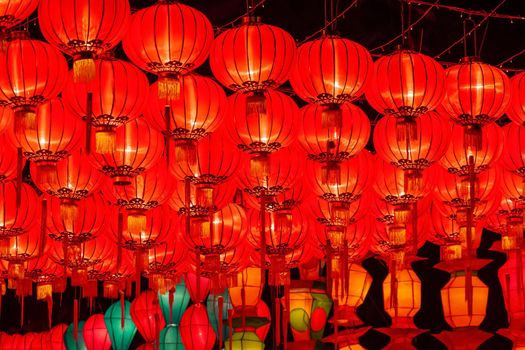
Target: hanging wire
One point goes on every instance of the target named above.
(331, 22)
(473, 29)
(248, 12)
(402, 23)
(511, 58)
(483, 38)
(468, 12)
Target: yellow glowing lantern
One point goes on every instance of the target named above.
(406, 302)
(250, 280)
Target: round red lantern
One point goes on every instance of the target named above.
(95, 333)
(252, 58)
(137, 148)
(13, 12)
(16, 219)
(195, 329)
(475, 95)
(84, 29)
(221, 195)
(405, 84)
(146, 314)
(187, 119)
(55, 136)
(516, 110)
(33, 72)
(8, 158)
(333, 143)
(330, 70)
(168, 51)
(118, 94)
(511, 157)
(6, 116)
(457, 158)
(168, 259)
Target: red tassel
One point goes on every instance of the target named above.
(120, 229)
(49, 300)
(122, 308)
(230, 325)
(336, 323)
(393, 286)
(89, 120)
(286, 314)
(263, 238)
(19, 170)
(75, 320)
(243, 300)
(468, 289)
(344, 270)
(43, 228)
(329, 270)
(508, 298)
(220, 303)
(277, 322)
(157, 331)
(167, 119)
(171, 298)
(519, 271)
(198, 272)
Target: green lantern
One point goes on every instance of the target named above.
(121, 335)
(244, 341)
(170, 338)
(69, 337)
(181, 299)
(212, 307)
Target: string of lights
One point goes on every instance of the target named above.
(467, 11)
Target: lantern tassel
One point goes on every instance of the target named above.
(89, 120)
(508, 299)
(49, 300)
(25, 119)
(122, 308)
(344, 270)
(47, 173)
(406, 129)
(260, 165)
(243, 309)
(519, 272)
(68, 209)
(230, 326)
(43, 228)
(262, 237)
(136, 222)
(286, 314)
(169, 87)
(336, 322)
(84, 70)
(220, 304)
(75, 319)
(120, 229)
(105, 140)
(329, 263)
(393, 286)
(277, 322)
(332, 116)
(22, 311)
(473, 137)
(256, 104)
(167, 120)
(19, 175)
(413, 180)
(468, 290)
(171, 297)
(186, 152)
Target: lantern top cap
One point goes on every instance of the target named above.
(251, 20)
(469, 59)
(19, 35)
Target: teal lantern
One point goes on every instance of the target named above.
(120, 333)
(212, 308)
(181, 299)
(170, 338)
(69, 337)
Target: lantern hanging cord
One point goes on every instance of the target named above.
(475, 27)
(250, 11)
(511, 58)
(410, 27)
(468, 12)
(331, 22)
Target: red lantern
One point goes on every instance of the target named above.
(8, 158)
(406, 84)
(84, 29)
(475, 95)
(261, 132)
(146, 191)
(13, 12)
(118, 95)
(511, 157)
(55, 338)
(95, 333)
(33, 72)
(252, 58)
(168, 50)
(221, 196)
(330, 71)
(16, 219)
(167, 263)
(195, 329)
(88, 221)
(55, 136)
(146, 314)
(137, 148)
(6, 115)
(457, 158)
(333, 143)
(513, 186)
(516, 110)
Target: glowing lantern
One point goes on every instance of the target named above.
(147, 315)
(195, 329)
(95, 333)
(170, 338)
(245, 341)
(516, 110)
(15, 220)
(347, 302)
(261, 132)
(168, 51)
(403, 305)
(137, 148)
(6, 114)
(221, 195)
(217, 316)
(173, 310)
(475, 95)
(15, 11)
(72, 342)
(8, 159)
(248, 279)
(167, 261)
(121, 330)
(198, 286)
(55, 337)
(84, 29)
(511, 277)
(33, 72)
(511, 157)
(335, 143)
(117, 94)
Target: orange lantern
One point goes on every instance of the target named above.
(406, 301)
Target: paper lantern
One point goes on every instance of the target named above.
(16, 219)
(511, 157)
(146, 314)
(95, 333)
(248, 279)
(403, 306)
(214, 315)
(198, 286)
(6, 115)
(195, 329)
(516, 109)
(15, 11)
(168, 51)
(360, 281)
(170, 338)
(84, 29)
(167, 261)
(8, 158)
(245, 341)
(55, 337)
(121, 331)
(199, 198)
(72, 342)
(181, 299)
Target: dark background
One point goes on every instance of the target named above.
(372, 23)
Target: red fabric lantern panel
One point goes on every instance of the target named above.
(168, 39)
(456, 159)
(137, 148)
(253, 56)
(330, 70)
(199, 109)
(22, 248)
(195, 329)
(83, 29)
(8, 158)
(516, 110)
(221, 196)
(118, 95)
(146, 314)
(32, 71)
(406, 84)
(513, 186)
(511, 157)
(13, 12)
(81, 255)
(6, 117)
(15, 220)
(198, 287)
(95, 333)
(333, 143)
(168, 258)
